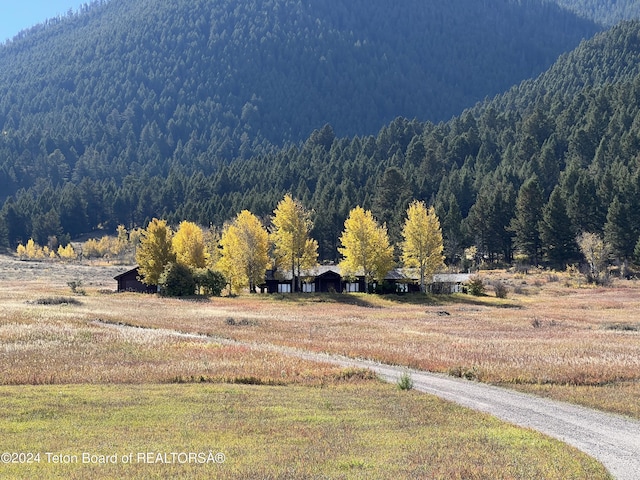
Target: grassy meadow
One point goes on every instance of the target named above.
(73, 381)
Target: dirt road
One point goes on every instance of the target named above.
(612, 439)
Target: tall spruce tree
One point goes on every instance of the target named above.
(619, 231)
(556, 232)
(527, 217)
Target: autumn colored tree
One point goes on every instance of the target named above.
(189, 246)
(211, 244)
(422, 247)
(67, 252)
(596, 252)
(31, 251)
(365, 247)
(155, 251)
(245, 252)
(293, 247)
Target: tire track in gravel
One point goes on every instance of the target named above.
(613, 440)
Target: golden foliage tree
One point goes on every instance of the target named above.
(188, 245)
(596, 252)
(422, 246)
(155, 251)
(365, 247)
(245, 252)
(67, 253)
(211, 244)
(31, 251)
(293, 247)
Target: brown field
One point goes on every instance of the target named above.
(555, 337)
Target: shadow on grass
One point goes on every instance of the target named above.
(378, 301)
(358, 299)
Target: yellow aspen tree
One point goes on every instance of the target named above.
(245, 252)
(90, 249)
(21, 251)
(34, 250)
(155, 251)
(211, 244)
(293, 246)
(229, 262)
(188, 245)
(422, 247)
(365, 247)
(67, 253)
(123, 239)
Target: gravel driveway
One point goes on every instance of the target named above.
(613, 440)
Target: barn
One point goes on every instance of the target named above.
(129, 281)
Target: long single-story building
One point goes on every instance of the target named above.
(328, 278)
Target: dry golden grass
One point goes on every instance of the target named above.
(48, 336)
(124, 387)
(568, 339)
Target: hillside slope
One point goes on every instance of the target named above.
(606, 12)
(572, 132)
(127, 85)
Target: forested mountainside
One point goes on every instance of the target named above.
(606, 12)
(127, 87)
(505, 176)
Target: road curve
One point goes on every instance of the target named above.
(613, 440)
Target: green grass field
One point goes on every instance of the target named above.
(362, 430)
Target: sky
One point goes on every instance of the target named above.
(17, 15)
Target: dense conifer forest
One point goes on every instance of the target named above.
(606, 12)
(121, 121)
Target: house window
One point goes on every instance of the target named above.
(352, 287)
(308, 287)
(402, 287)
(284, 288)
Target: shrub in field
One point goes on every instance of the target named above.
(464, 372)
(500, 289)
(405, 382)
(75, 287)
(476, 286)
(56, 301)
(177, 281)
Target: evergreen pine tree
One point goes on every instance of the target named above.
(556, 233)
(527, 217)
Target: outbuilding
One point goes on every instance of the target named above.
(130, 281)
(449, 282)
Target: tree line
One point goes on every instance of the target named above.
(519, 177)
(183, 261)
